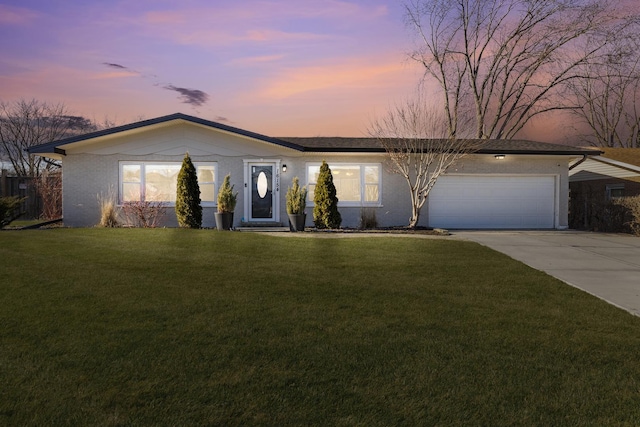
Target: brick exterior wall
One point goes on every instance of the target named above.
(88, 175)
(590, 209)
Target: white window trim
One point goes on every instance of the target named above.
(362, 166)
(142, 164)
(610, 187)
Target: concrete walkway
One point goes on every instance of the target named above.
(604, 265)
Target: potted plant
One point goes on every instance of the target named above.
(296, 204)
(226, 205)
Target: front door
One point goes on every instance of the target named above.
(262, 191)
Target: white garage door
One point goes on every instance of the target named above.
(475, 201)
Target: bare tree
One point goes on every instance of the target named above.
(27, 123)
(415, 136)
(609, 94)
(504, 62)
(49, 187)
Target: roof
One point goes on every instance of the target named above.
(621, 163)
(313, 144)
(626, 155)
(58, 146)
(599, 167)
(491, 146)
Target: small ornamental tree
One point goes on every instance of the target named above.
(188, 208)
(325, 211)
(226, 197)
(296, 198)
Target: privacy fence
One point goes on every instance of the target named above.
(42, 196)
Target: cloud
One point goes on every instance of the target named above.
(253, 60)
(113, 65)
(192, 97)
(115, 75)
(353, 74)
(118, 71)
(266, 35)
(12, 15)
(258, 21)
(251, 11)
(214, 37)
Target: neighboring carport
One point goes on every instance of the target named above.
(604, 265)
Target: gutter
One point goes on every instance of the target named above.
(579, 162)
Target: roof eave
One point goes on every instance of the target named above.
(51, 147)
(617, 163)
(481, 151)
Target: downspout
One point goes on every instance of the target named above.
(579, 162)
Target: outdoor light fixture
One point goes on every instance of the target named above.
(499, 156)
(284, 168)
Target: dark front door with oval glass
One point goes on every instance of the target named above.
(262, 192)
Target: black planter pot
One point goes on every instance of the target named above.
(296, 222)
(224, 220)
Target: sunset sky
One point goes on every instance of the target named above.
(278, 67)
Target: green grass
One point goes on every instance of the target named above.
(198, 327)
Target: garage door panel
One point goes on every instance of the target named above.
(460, 201)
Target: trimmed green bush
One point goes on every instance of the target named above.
(296, 198)
(226, 197)
(632, 204)
(9, 209)
(188, 208)
(325, 211)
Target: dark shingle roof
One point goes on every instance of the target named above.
(626, 155)
(56, 146)
(316, 144)
(490, 146)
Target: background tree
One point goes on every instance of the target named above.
(188, 207)
(504, 62)
(415, 137)
(325, 210)
(24, 124)
(608, 94)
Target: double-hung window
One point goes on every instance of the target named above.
(157, 181)
(356, 184)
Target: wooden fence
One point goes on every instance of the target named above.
(22, 187)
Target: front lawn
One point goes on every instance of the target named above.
(198, 327)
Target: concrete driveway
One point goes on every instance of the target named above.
(605, 265)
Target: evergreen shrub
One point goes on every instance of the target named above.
(325, 211)
(188, 207)
(226, 197)
(296, 198)
(10, 209)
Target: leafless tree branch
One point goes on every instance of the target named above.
(24, 124)
(504, 62)
(416, 138)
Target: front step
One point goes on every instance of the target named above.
(262, 226)
(261, 229)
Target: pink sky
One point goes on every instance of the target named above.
(279, 67)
